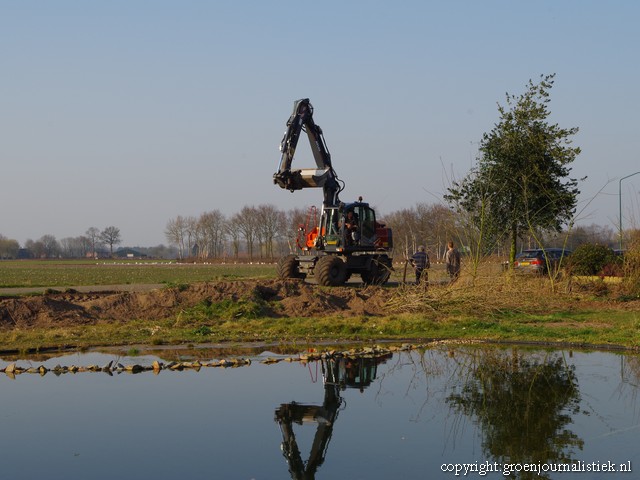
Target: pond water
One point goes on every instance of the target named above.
(419, 414)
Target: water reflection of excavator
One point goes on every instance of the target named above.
(338, 374)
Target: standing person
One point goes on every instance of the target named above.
(452, 261)
(420, 262)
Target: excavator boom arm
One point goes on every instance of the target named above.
(323, 176)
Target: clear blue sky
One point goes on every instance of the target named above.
(129, 113)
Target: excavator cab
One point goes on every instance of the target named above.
(366, 225)
(348, 227)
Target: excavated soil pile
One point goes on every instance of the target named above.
(281, 298)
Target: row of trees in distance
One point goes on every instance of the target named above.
(264, 233)
(92, 244)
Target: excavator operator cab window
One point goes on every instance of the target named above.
(350, 226)
(367, 226)
(330, 228)
(357, 226)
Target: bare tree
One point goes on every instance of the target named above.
(230, 227)
(247, 222)
(93, 234)
(583, 234)
(50, 246)
(45, 247)
(67, 247)
(8, 247)
(176, 234)
(75, 247)
(270, 225)
(191, 231)
(297, 221)
(35, 248)
(424, 224)
(439, 224)
(211, 234)
(111, 237)
(159, 251)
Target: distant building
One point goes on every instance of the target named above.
(128, 253)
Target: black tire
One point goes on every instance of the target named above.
(379, 271)
(289, 267)
(330, 271)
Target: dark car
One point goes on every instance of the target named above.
(540, 260)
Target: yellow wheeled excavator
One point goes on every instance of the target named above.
(347, 239)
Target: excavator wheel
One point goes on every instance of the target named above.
(330, 271)
(379, 272)
(289, 267)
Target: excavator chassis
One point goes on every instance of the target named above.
(333, 269)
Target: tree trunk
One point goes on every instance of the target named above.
(514, 245)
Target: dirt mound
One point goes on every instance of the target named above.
(280, 298)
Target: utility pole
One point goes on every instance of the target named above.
(620, 205)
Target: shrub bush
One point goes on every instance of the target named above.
(593, 259)
(631, 267)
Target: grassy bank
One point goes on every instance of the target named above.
(491, 307)
(595, 328)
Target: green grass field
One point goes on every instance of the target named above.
(68, 273)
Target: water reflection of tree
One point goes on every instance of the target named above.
(523, 406)
(630, 371)
(423, 367)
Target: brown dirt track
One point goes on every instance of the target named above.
(289, 298)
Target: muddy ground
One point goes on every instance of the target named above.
(280, 298)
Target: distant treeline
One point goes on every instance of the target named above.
(265, 232)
